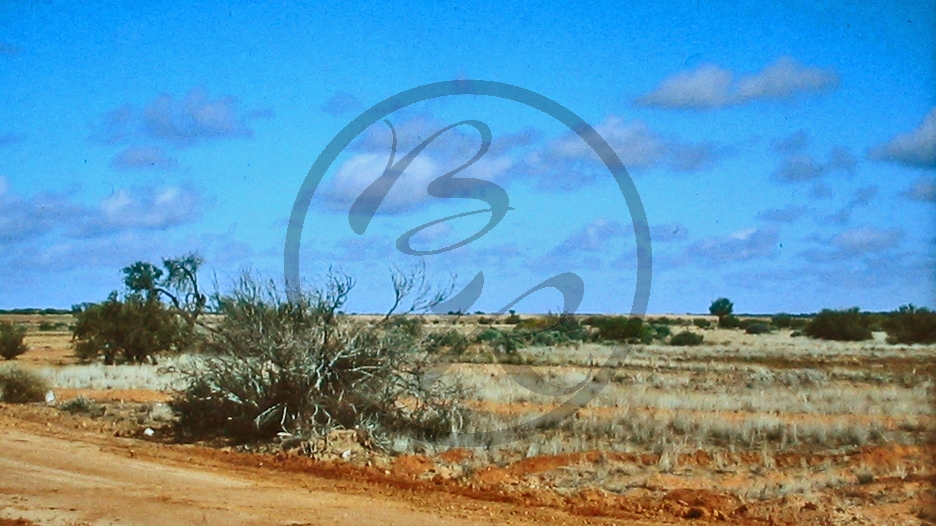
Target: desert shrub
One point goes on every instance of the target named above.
(701, 323)
(513, 319)
(541, 338)
(11, 340)
(133, 329)
(799, 323)
(874, 321)
(506, 343)
(729, 322)
(451, 340)
(909, 324)
(409, 324)
(619, 328)
(660, 332)
(686, 338)
(82, 405)
(46, 326)
(647, 334)
(552, 330)
(489, 335)
(19, 385)
(292, 364)
(757, 328)
(842, 325)
(781, 321)
(484, 320)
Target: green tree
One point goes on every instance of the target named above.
(177, 281)
(133, 329)
(721, 307)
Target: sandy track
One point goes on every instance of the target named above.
(58, 482)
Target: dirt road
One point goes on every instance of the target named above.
(58, 482)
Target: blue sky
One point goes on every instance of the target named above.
(784, 156)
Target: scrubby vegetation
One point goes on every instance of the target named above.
(513, 319)
(757, 327)
(909, 324)
(842, 325)
(132, 329)
(617, 328)
(686, 338)
(136, 326)
(276, 364)
(19, 385)
(729, 321)
(11, 341)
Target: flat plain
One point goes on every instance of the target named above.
(750, 429)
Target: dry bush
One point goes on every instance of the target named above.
(910, 325)
(20, 386)
(11, 341)
(295, 365)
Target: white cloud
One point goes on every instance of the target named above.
(180, 122)
(916, 148)
(569, 162)
(743, 245)
(866, 239)
(710, 86)
(24, 219)
(410, 191)
(156, 209)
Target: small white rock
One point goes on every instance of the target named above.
(346, 455)
(50, 398)
(149, 432)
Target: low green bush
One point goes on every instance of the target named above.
(660, 332)
(701, 323)
(513, 319)
(910, 324)
(552, 329)
(19, 385)
(452, 339)
(11, 340)
(841, 325)
(686, 338)
(619, 328)
(489, 335)
(729, 322)
(799, 323)
(781, 321)
(757, 328)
